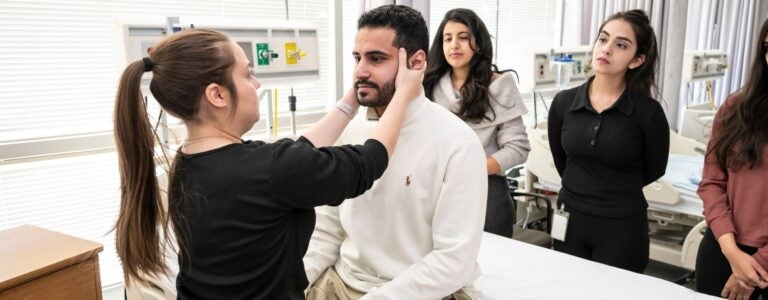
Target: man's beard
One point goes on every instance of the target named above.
(380, 98)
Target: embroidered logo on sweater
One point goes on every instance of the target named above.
(407, 181)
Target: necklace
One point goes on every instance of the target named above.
(202, 138)
(197, 139)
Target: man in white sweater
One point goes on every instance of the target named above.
(416, 233)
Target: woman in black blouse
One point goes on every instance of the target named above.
(610, 138)
(242, 211)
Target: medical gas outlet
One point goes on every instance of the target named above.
(293, 54)
(264, 55)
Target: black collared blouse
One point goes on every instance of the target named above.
(605, 159)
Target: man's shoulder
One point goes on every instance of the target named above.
(445, 124)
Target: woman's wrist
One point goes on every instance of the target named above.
(728, 245)
(405, 95)
(350, 111)
(350, 99)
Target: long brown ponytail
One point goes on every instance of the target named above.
(182, 65)
(138, 240)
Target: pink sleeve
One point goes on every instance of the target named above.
(713, 190)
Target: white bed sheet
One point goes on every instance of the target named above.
(684, 173)
(515, 270)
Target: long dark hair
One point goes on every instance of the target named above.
(743, 126)
(475, 96)
(182, 65)
(640, 80)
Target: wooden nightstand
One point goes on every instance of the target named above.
(37, 263)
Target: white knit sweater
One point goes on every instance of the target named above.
(416, 233)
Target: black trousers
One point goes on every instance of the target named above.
(500, 209)
(622, 242)
(713, 269)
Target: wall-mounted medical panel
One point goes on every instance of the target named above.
(281, 53)
(704, 65)
(545, 67)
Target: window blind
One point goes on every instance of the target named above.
(59, 70)
(77, 195)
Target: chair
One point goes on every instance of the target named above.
(536, 232)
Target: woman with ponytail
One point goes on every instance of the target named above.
(242, 211)
(733, 255)
(609, 138)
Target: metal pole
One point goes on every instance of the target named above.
(268, 121)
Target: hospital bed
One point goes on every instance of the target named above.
(516, 270)
(675, 211)
(697, 121)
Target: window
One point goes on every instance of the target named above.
(78, 195)
(351, 11)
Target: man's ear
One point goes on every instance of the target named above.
(417, 60)
(215, 95)
(636, 62)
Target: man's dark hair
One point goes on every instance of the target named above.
(410, 28)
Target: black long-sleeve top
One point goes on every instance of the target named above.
(247, 213)
(605, 159)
